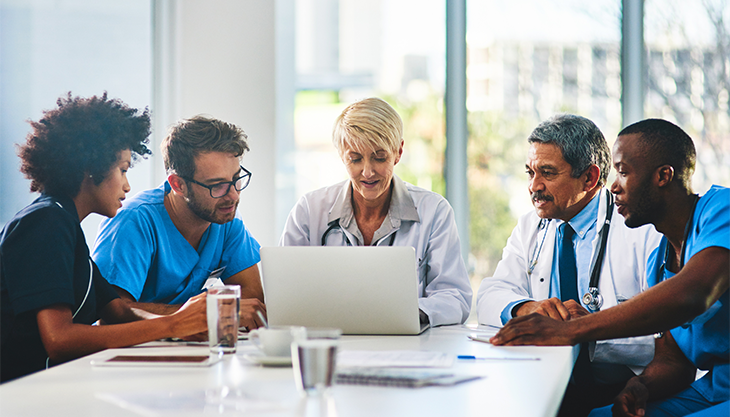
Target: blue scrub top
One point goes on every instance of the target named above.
(705, 341)
(141, 251)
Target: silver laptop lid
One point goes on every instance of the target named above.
(359, 289)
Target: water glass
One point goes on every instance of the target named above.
(222, 310)
(314, 355)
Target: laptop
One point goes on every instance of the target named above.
(359, 289)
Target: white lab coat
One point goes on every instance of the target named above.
(419, 218)
(622, 276)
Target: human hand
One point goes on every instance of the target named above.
(190, 321)
(575, 309)
(631, 402)
(535, 329)
(552, 307)
(248, 317)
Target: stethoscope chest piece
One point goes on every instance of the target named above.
(593, 299)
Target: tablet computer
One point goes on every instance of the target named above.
(157, 360)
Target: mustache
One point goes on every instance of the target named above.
(226, 204)
(537, 195)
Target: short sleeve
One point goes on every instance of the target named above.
(38, 259)
(712, 222)
(240, 249)
(104, 292)
(124, 250)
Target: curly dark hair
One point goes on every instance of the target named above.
(83, 136)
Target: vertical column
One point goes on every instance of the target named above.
(165, 85)
(285, 90)
(632, 61)
(220, 58)
(457, 191)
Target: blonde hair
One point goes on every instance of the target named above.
(368, 124)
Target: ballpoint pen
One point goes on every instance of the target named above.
(495, 358)
(482, 339)
(262, 318)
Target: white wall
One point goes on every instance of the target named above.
(219, 58)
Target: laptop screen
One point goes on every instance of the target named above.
(359, 289)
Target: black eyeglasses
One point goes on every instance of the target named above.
(222, 188)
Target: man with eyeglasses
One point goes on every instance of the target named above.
(165, 243)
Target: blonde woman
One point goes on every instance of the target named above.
(376, 208)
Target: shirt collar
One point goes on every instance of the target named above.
(401, 207)
(65, 202)
(586, 219)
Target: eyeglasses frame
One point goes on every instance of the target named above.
(230, 183)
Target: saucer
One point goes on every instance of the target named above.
(261, 359)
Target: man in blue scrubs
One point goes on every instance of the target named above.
(690, 224)
(165, 243)
(687, 307)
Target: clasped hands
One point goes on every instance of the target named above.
(545, 322)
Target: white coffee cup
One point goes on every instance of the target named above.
(275, 340)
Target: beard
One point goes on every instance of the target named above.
(210, 214)
(643, 209)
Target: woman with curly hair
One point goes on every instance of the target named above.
(77, 157)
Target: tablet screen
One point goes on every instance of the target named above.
(157, 360)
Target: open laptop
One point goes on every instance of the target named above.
(359, 289)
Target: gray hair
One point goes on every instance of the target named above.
(579, 140)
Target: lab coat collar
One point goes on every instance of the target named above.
(401, 208)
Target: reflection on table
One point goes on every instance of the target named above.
(236, 385)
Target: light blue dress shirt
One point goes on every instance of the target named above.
(584, 224)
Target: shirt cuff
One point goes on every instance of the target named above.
(507, 312)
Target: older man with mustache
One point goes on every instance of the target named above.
(573, 256)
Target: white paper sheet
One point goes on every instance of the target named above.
(394, 358)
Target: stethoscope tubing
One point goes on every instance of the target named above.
(336, 225)
(592, 299)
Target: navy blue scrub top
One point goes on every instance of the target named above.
(44, 260)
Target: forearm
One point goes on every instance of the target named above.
(77, 340)
(670, 372)
(250, 282)
(666, 305)
(65, 340)
(133, 304)
(252, 292)
(155, 308)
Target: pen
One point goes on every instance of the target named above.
(262, 318)
(493, 358)
(478, 338)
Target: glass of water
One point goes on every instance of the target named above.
(222, 311)
(314, 357)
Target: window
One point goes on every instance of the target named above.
(50, 48)
(688, 83)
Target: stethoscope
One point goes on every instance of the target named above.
(667, 252)
(335, 224)
(592, 299)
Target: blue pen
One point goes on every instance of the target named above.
(475, 358)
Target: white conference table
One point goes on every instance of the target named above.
(235, 386)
